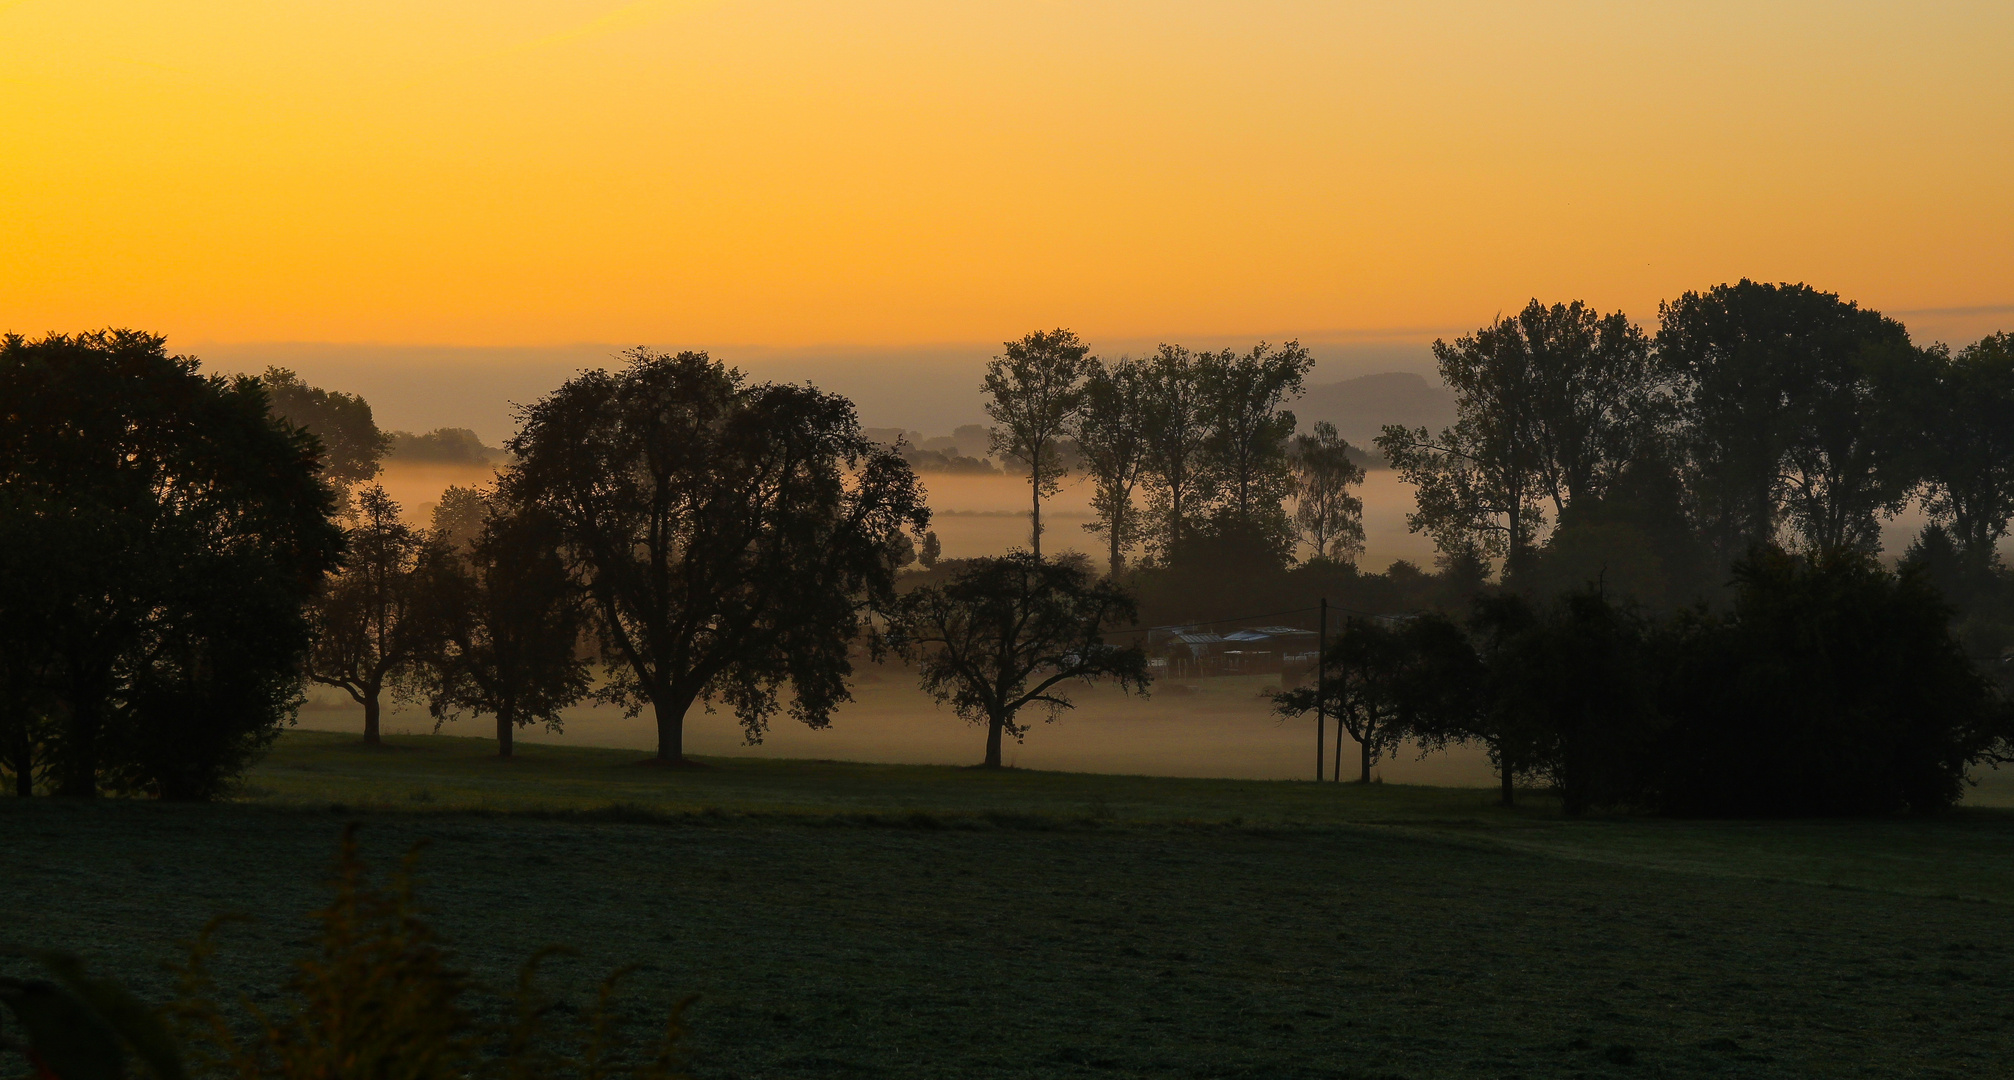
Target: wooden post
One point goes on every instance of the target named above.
(1321, 707)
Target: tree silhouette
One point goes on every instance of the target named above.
(1569, 691)
(1032, 394)
(376, 627)
(1180, 480)
(1961, 428)
(727, 535)
(1328, 515)
(1549, 403)
(512, 620)
(1772, 400)
(351, 441)
(1111, 430)
(1004, 634)
(1250, 429)
(1387, 680)
(179, 530)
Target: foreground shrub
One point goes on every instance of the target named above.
(1833, 687)
(379, 999)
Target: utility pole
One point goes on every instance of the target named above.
(1321, 707)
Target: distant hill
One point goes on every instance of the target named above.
(1362, 406)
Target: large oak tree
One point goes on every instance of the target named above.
(728, 535)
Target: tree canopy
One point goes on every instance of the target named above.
(727, 535)
(351, 441)
(176, 532)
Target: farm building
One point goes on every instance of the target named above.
(1190, 652)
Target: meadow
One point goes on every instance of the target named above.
(854, 920)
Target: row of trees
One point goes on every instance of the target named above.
(1174, 444)
(177, 556)
(1828, 686)
(705, 538)
(1757, 414)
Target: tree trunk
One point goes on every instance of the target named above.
(1365, 776)
(505, 725)
(1509, 784)
(1337, 772)
(77, 761)
(24, 768)
(1035, 515)
(994, 728)
(1118, 561)
(670, 709)
(371, 712)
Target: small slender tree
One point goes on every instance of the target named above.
(375, 626)
(1033, 391)
(1329, 516)
(513, 622)
(1111, 430)
(1004, 634)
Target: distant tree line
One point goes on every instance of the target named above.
(1184, 449)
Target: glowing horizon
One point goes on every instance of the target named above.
(542, 172)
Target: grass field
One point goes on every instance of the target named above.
(845, 920)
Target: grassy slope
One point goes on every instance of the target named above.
(853, 921)
(1966, 855)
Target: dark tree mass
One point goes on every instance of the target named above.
(162, 535)
(377, 623)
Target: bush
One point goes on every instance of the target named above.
(1833, 687)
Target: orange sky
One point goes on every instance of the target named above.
(487, 172)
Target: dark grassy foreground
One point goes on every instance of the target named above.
(858, 921)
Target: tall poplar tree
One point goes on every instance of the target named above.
(1111, 430)
(1249, 432)
(1033, 390)
(1180, 480)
